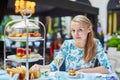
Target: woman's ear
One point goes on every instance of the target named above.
(89, 29)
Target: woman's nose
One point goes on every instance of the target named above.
(76, 33)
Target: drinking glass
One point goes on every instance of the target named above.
(58, 61)
(45, 72)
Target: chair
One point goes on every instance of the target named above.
(97, 63)
(62, 68)
(1, 49)
(113, 61)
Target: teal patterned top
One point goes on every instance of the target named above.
(73, 56)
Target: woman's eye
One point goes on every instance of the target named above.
(80, 30)
(73, 30)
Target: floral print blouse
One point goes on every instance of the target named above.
(73, 57)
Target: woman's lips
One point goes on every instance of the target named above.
(78, 38)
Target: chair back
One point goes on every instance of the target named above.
(1, 49)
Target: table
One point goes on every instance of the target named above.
(4, 75)
(84, 76)
(64, 76)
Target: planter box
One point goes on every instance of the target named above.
(112, 50)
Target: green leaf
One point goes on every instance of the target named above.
(6, 21)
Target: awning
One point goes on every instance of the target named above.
(113, 5)
(59, 7)
(85, 2)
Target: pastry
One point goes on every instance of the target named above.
(72, 72)
(35, 56)
(19, 34)
(37, 34)
(13, 35)
(31, 34)
(34, 73)
(21, 53)
(21, 70)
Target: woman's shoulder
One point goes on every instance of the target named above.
(97, 42)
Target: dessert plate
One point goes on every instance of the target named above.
(14, 58)
(24, 38)
(75, 77)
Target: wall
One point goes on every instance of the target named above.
(102, 17)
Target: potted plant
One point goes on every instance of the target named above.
(113, 44)
(118, 48)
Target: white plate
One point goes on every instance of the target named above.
(45, 78)
(14, 58)
(74, 77)
(49, 77)
(24, 38)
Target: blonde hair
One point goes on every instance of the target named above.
(90, 46)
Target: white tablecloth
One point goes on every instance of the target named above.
(4, 75)
(64, 76)
(83, 76)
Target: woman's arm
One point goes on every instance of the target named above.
(37, 66)
(102, 58)
(63, 51)
(99, 69)
(104, 67)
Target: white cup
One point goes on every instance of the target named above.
(45, 72)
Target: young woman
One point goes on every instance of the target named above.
(81, 52)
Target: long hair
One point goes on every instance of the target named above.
(90, 46)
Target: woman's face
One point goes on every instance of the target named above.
(79, 31)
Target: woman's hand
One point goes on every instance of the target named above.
(38, 67)
(99, 69)
(35, 67)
